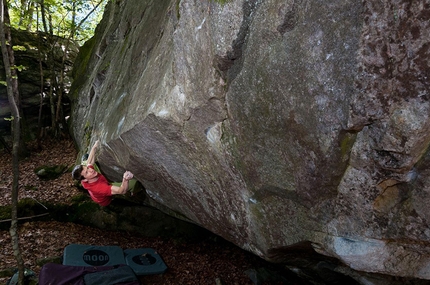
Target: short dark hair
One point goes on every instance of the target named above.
(76, 172)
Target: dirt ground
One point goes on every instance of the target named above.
(188, 261)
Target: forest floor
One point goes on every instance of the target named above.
(191, 261)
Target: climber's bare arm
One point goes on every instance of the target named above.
(92, 154)
(115, 190)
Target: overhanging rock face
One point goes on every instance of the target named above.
(271, 123)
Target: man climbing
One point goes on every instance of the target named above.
(100, 190)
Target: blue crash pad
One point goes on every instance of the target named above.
(89, 255)
(144, 261)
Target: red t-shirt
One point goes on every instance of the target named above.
(100, 190)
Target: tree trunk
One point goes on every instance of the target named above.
(12, 92)
(47, 25)
(22, 148)
(42, 79)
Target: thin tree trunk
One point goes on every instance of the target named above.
(22, 148)
(12, 92)
(47, 25)
(42, 11)
(30, 15)
(39, 119)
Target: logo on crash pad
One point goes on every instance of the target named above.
(144, 259)
(95, 257)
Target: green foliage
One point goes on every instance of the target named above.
(63, 17)
(19, 48)
(19, 67)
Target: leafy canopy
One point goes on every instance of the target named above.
(75, 19)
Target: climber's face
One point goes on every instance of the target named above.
(89, 173)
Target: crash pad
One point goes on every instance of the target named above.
(144, 261)
(90, 255)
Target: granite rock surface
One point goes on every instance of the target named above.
(270, 123)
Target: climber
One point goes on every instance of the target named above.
(98, 187)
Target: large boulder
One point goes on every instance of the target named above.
(270, 123)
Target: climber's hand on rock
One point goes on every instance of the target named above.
(128, 175)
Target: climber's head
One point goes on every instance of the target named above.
(86, 173)
(77, 172)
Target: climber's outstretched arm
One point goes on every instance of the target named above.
(92, 154)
